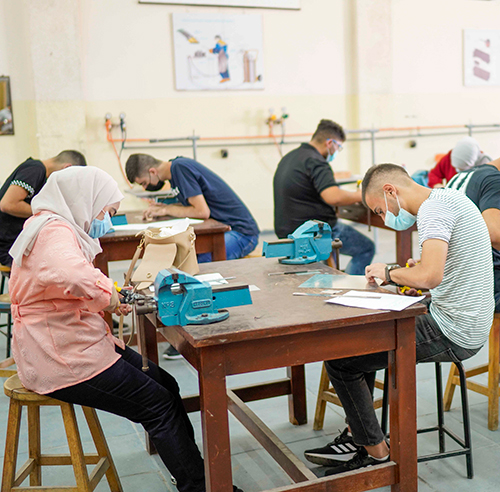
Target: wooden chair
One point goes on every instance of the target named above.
(326, 393)
(5, 309)
(21, 397)
(5, 273)
(491, 390)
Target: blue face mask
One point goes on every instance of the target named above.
(404, 220)
(99, 227)
(330, 157)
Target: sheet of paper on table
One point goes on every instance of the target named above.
(375, 300)
(146, 225)
(212, 278)
(344, 282)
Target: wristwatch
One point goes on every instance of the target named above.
(388, 269)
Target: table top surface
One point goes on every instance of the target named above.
(275, 311)
(208, 226)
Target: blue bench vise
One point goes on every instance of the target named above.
(184, 300)
(310, 242)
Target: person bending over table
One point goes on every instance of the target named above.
(463, 156)
(18, 190)
(305, 189)
(482, 185)
(202, 195)
(61, 344)
(456, 267)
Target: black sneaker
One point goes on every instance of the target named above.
(361, 460)
(236, 489)
(341, 449)
(171, 353)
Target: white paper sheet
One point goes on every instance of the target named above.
(375, 300)
(212, 278)
(141, 226)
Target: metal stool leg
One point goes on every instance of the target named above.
(440, 415)
(466, 419)
(385, 403)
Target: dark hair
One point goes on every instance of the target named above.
(72, 157)
(138, 164)
(328, 129)
(379, 173)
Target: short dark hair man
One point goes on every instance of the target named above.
(18, 190)
(305, 189)
(456, 267)
(202, 194)
(481, 184)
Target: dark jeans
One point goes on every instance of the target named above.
(356, 245)
(354, 377)
(152, 399)
(237, 246)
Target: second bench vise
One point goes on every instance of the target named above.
(185, 300)
(310, 242)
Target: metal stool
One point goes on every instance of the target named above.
(19, 397)
(492, 389)
(441, 428)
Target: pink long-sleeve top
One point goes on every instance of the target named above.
(59, 337)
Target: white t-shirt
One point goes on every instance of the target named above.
(462, 304)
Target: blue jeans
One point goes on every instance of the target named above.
(237, 246)
(354, 377)
(152, 399)
(354, 244)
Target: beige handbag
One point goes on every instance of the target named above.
(163, 252)
(159, 253)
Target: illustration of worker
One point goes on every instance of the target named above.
(221, 50)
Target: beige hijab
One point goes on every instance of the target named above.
(75, 195)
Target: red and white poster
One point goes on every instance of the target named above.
(481, 57)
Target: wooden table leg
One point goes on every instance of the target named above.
(150, 350)
(403, 247)
(101, 262)
(214, 422)
(219, 247)
(297, 404)
(403, 409)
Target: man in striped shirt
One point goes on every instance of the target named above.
(482, 185)
(455, 265)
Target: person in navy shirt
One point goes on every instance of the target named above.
(202, 195)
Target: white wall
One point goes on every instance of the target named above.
(364, 63)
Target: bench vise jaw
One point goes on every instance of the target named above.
(310, 242)
(185, 300)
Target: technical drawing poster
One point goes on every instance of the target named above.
(481, 57)
(269, 4)
(218, 52)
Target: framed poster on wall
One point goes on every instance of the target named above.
(265, 4)
(218, 52)
(481, 57)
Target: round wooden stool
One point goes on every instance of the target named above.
(19, 397)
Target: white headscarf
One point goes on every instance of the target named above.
(75, 195)
(465, 154)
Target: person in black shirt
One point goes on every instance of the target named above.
(481, 184)
(305, 189)
(20, 187)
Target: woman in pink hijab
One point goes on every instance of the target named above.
(61, 344)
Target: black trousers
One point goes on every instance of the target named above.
(152, 399)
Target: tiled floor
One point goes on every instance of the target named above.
(252, 468)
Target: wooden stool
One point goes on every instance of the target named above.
(492, 368)
(326, 393)
(5, 309)
(5, 273)
(19, 397)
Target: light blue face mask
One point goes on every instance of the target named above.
(99, 227)
(404, 220)
(330, 157)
